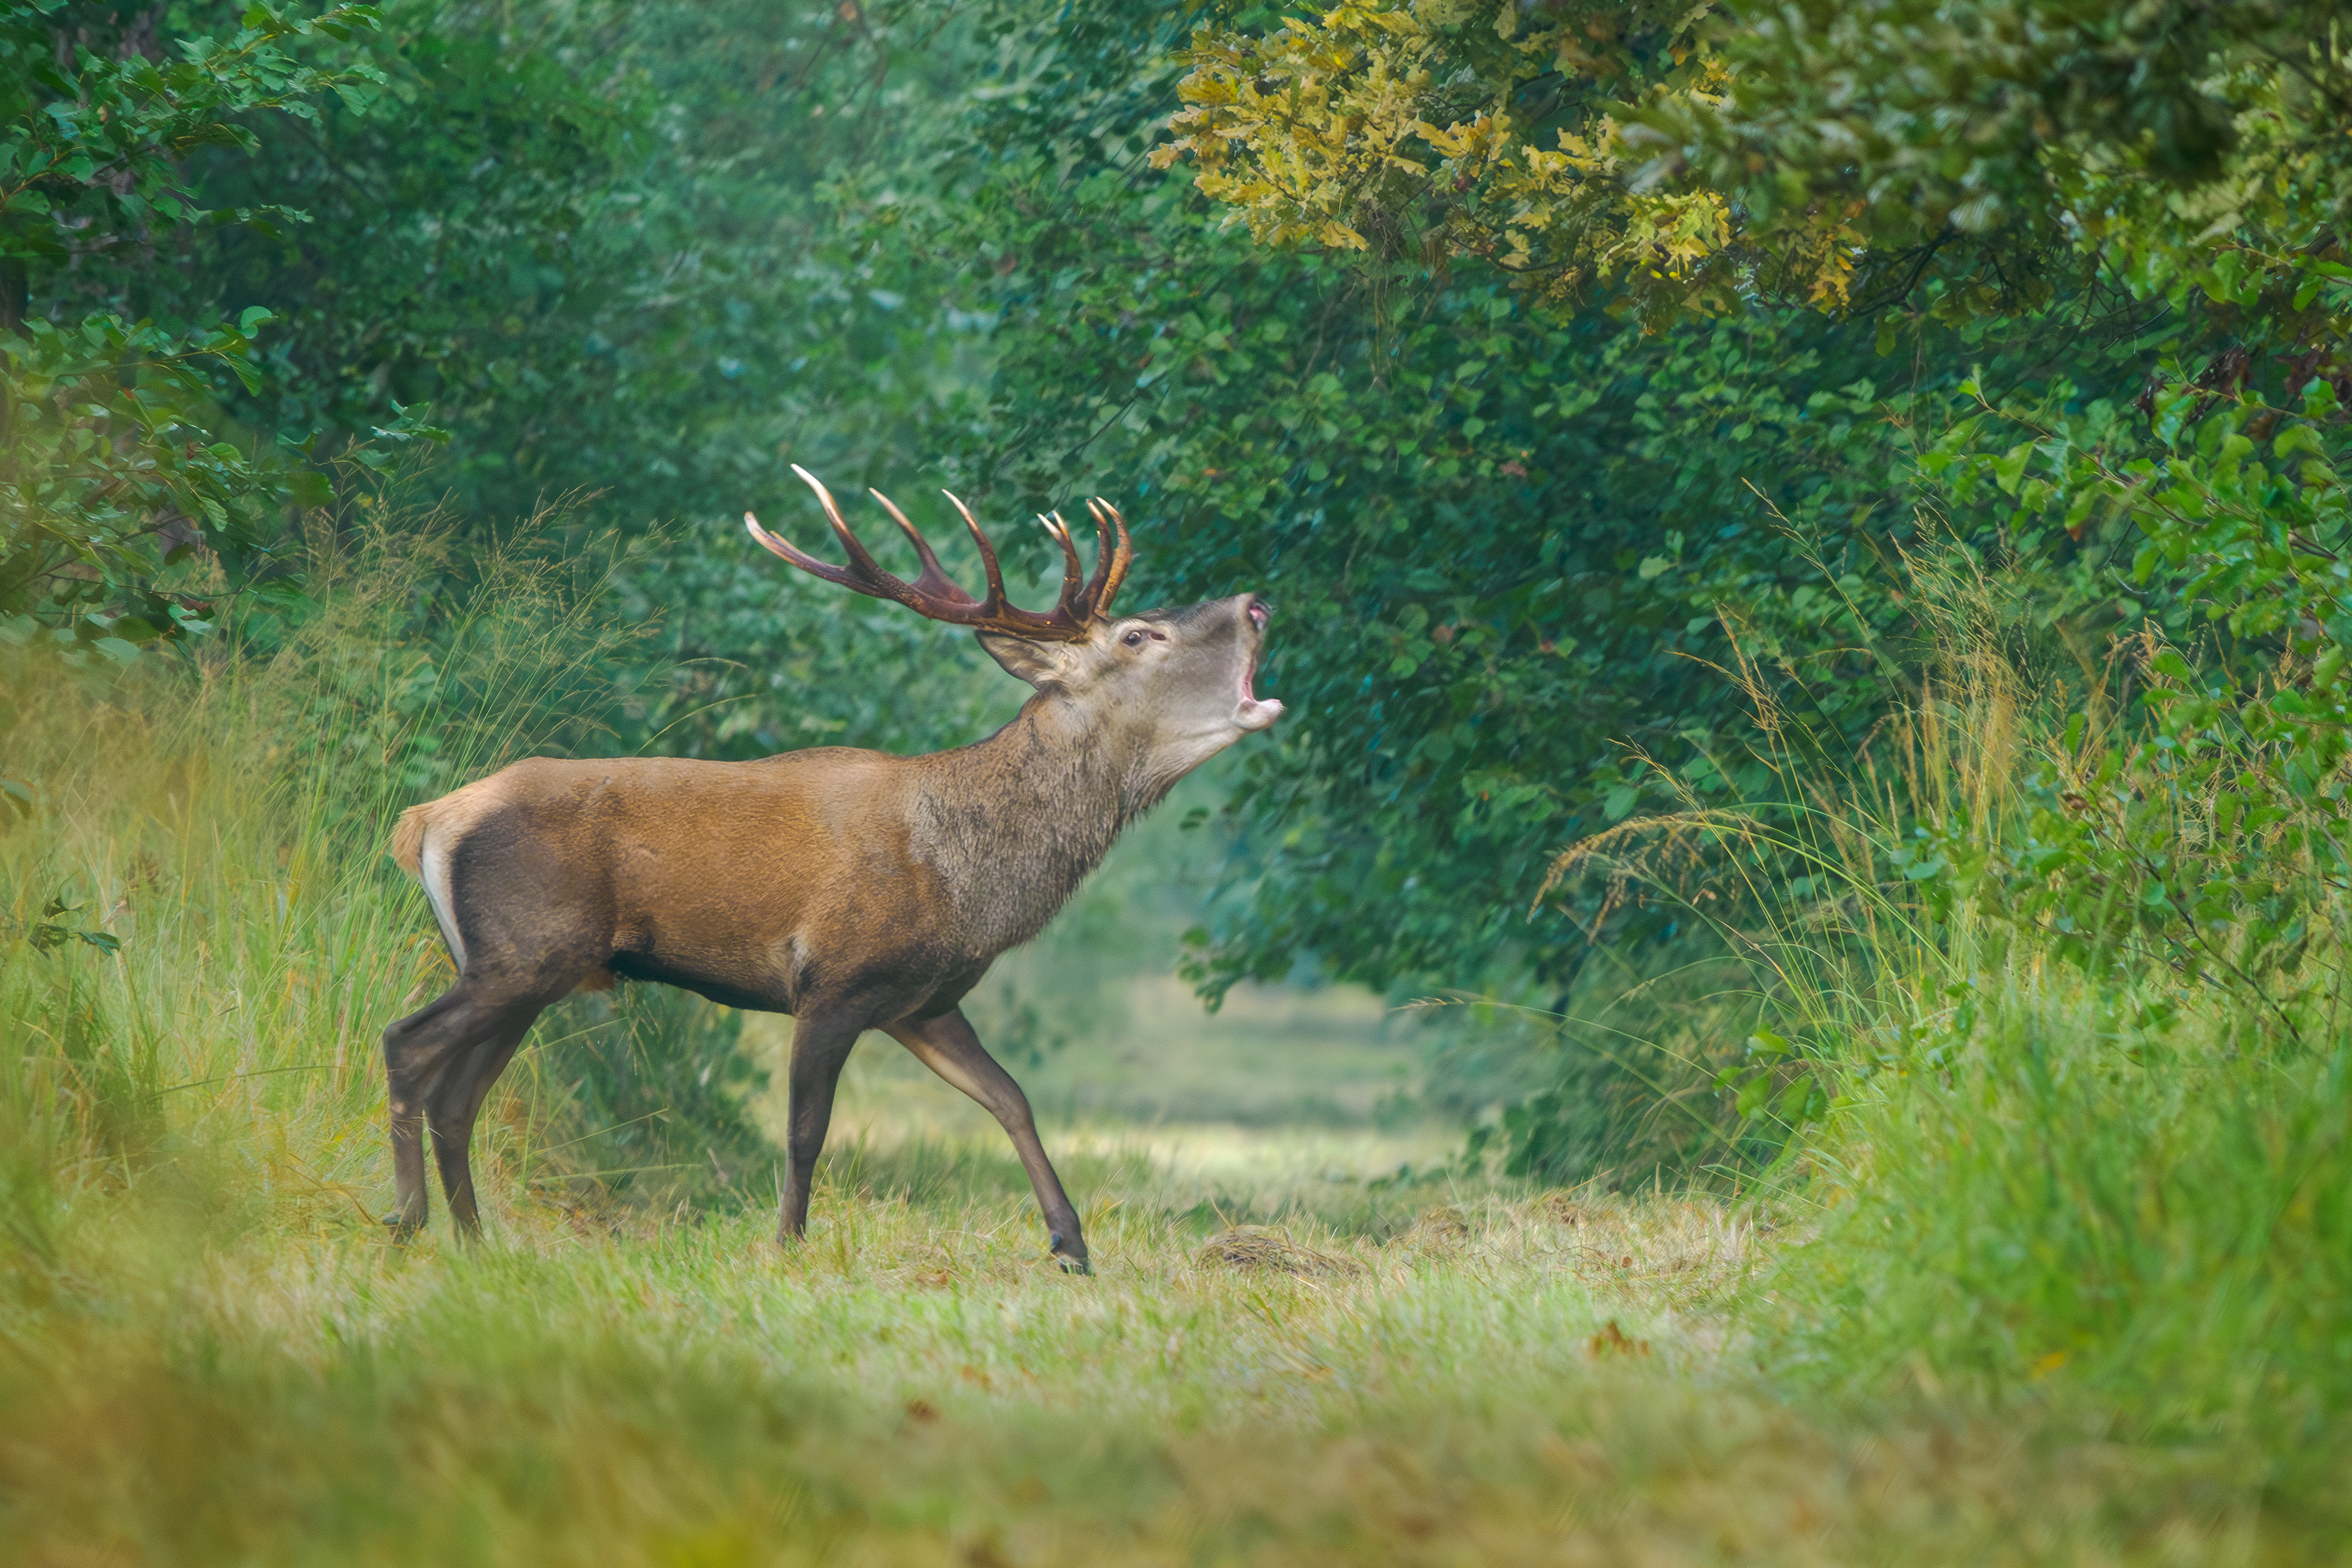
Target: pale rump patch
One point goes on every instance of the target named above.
(424, 840)
(433, 870)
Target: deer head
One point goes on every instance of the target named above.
(1172, 687)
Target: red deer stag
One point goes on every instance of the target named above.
(851, 889)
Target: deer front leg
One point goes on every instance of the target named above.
(948, 1047)
(820, 1046)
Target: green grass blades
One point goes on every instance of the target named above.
(1511, 1380)
(2161, 1215)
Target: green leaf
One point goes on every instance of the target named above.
(309, 488)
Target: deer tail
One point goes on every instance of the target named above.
(408, 837)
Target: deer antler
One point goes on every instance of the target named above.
(934, 595)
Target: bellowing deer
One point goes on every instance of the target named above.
(851, 889)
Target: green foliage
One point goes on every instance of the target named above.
(1524, 568)
(104, 484)
(1909, 153)
(1472, 129)
(94, 148)
(2199, 821)
(116, 465)
(1980, 155)
(2135, 212)
(605, 244)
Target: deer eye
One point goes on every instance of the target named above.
(1133, 639)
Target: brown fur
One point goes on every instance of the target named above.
(851, 889)
(408, 836)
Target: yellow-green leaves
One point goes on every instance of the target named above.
(1958, 159)
(1451, 128)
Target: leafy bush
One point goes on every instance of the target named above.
(116, 463)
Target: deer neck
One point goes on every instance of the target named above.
(1013, 823)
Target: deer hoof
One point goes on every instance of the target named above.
(401, 1230)
(1075, 1266)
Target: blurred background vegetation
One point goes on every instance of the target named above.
(1808, 539)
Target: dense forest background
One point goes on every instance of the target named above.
(1649, 450)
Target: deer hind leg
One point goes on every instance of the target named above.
(420, 1052)
(820, 1046)
(455, 1102)
(414, 1049)
(948, 1047)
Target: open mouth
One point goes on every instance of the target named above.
(1254, 713)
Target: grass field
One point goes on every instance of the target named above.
(2059, 1279)
(220, 1377)
(221, 1360)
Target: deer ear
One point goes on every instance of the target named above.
(1035, 662)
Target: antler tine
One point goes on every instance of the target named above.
(1074, 572)
(995, 604)
(861, 563)
(1110, 562)
(806, 562)
(933, 583)
(933, 595)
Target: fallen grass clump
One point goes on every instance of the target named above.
(1254, 1250)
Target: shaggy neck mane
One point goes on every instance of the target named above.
(1014, 822)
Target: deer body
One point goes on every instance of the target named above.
(851, 889)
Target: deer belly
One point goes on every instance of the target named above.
(722, 955)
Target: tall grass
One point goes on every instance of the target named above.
(2028, 1175)
(203, 935)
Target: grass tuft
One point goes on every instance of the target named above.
(1254, 1250)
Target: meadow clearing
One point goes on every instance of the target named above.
(1316, 1333)
(218, 1374)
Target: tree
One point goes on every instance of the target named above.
(114, 464)
(1662, 158)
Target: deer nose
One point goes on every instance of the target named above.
(1259, 610)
